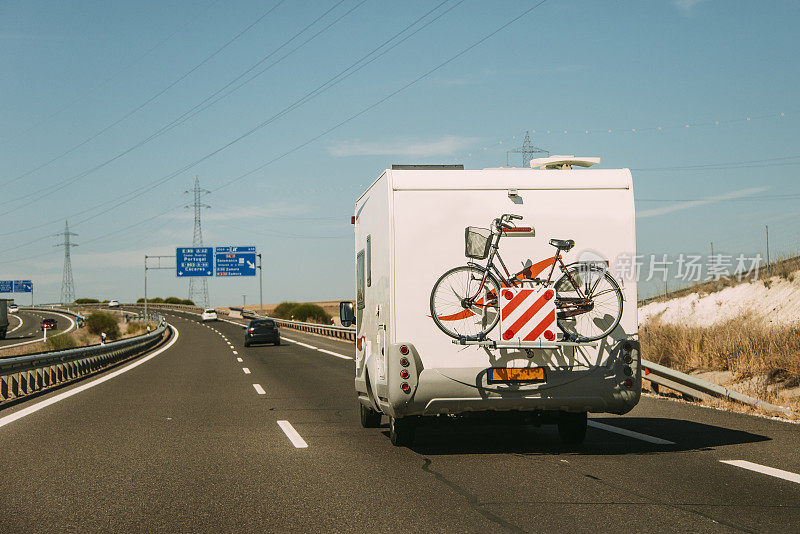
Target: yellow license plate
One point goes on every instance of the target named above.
(510, 374)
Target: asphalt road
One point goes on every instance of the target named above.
(187, 442)
(31, 328)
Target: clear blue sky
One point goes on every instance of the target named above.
(85, 82)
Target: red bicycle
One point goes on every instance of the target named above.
(465, 300)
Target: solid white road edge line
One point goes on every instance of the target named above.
(259, 389)
(292, 434)
(83, 387)
(336, 354)
(630, 433)
(246, 370)
(18, 326)
(317, 349)
(771, 471)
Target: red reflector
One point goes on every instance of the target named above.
(548, 335)
(404, 374)
(404, 362)
(352, 219)
(508, 295)
(629, 383)
(403, 350)
(405, 387)
(549, 294)
(518, 229)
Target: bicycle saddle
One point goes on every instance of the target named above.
(562, 244)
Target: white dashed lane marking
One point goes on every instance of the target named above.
(292, 434)
(763, 469)
(630, 433)
(246, 370)
(239, 360)
(259, 389)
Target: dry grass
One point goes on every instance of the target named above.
(745, 346)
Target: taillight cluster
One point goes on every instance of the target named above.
(627, 359)
(404, 374)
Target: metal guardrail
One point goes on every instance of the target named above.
(23, 375)
(339, 332)
(702, 389)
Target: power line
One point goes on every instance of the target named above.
(332, 128)
(130, 64)
(148, 101)
(192, 112)
(349, 71)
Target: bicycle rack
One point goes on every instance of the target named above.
(524, 344)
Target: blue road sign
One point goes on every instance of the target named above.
(194, 261)
(235, 261)
(23, 286)
(6, 286)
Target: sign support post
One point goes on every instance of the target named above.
(260, 286)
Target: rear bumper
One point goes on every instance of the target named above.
(262, 338)
(614, 387)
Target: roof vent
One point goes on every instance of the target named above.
(563, 162)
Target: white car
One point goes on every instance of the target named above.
(209, 314)
(113, 304)
(13, 308)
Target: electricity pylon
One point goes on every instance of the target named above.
(527, 150)
(198, 286)
(67, 285)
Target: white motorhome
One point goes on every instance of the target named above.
(410, 231)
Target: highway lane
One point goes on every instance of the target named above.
(31, 328)
(187, 441)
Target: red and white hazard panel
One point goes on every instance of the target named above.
(528, 314)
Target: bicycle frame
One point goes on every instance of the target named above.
(568, 306)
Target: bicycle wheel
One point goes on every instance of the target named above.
(448, 299)
(596, 313)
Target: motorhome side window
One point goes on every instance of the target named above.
(369, 260)
(360, 280)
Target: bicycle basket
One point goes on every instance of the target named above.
(477, 242)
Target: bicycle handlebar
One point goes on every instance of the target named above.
(502, 221)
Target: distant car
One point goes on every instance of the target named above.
(262, 331)
(209, 314)
(13, 308)
(49, 324)
(113, 304)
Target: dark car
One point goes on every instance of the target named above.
(262, 331)
(49, 324)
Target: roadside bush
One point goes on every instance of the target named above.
(62, 342)
(140, 300)
(311, 313)
(187, 302)
(173, 300)
(86, 301)
(134, 328)
(284, 310)
(100, 322)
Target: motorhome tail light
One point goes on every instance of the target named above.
(404, 374)
(629, 383)
(627, 370)
(352, 219)
(403, 350)
(404, 362)
(627, 346)
(405, 387)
